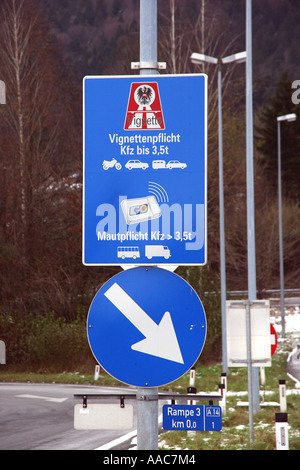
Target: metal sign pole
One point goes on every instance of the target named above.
(250, 187)
(147, 418)
(281, 264)
(147, 398)
(148, 37)
(249, 367)
(222, 226)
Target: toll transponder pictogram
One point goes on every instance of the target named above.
(144, 111)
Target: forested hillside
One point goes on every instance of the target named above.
(102, 36)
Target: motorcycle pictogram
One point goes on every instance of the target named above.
(110, 164)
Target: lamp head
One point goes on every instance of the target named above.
(287, 117)
(239, 58)
(197, 58)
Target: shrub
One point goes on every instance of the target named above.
(44, 342)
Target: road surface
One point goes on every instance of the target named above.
(41, 417)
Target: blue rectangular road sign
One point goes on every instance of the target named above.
(144, 195)
(192, 417)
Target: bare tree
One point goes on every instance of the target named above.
(40, 147)
(15, 45)
(31, 94)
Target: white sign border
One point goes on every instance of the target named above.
(170, 266)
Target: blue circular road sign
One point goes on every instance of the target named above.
(146, 326)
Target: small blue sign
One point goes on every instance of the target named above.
(146, 326)
(192, 417)
(144, 195)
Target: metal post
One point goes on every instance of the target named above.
(249, 368)
(147, 418)
(280, 234)
(250, 186)
(148, 35)
(147, 398)
(222, 229)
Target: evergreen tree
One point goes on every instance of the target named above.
(267, 142)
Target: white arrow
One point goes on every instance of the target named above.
(160, 340)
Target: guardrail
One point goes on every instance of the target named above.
(130, 396)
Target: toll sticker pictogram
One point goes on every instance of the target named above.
(144, 111)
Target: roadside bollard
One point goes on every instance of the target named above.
(282, 396)
(2, 92)
(192, 378)
(2, 352)
(192, 389)
(97, 372)
(223, 401)
(224, 380)
(262, 375)
(281, 427)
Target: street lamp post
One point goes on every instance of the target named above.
(197, 58)
(288, 118)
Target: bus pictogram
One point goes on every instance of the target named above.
(128, 252)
